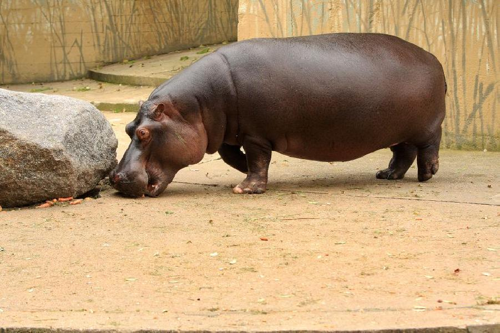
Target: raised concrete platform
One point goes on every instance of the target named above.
(151, 71)
(105, 96)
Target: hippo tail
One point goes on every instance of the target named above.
(445, 86)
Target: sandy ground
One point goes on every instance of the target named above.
(328, 247)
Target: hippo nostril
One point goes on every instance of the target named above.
(117, 178)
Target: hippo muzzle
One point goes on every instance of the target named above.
(138, 183)
(136, 175)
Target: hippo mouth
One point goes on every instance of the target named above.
(157, 182)
(152, 189)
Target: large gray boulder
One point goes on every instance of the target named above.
(50, 147)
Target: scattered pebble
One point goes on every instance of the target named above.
(46, 205)
(264, 239)
(215, 254)
(76, 202)
(232, 262)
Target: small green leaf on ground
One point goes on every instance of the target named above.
(184, 58)
(40, 89)
(206, 50)
(168, 212)
(83, 89)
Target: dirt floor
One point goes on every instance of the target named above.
(328, 247)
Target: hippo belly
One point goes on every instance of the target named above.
(321, 98)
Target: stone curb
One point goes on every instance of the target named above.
(495, 328)
(153, 71)
(131, 80)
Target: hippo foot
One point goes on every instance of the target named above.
(426, 172)
(249, 186)
(389, 174)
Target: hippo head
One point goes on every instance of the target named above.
(165, 138)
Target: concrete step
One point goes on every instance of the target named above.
(150, 71)
(105, 96)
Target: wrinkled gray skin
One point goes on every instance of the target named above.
(333, 97)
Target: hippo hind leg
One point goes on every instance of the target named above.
(428, 158)
(403, 156)
(233, 156)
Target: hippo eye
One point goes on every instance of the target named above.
(142, 134)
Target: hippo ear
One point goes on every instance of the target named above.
(158, 112)
(140, 103)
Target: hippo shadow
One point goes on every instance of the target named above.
(308, 182)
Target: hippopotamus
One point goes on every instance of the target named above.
(332, 97)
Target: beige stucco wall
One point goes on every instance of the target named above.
(464, 35)
(46, 40)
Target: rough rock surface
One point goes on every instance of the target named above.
(50, 147)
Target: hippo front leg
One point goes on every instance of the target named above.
(258, 153)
